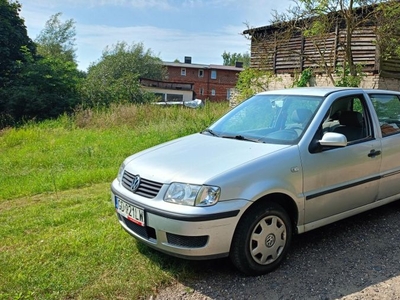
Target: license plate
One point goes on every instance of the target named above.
(131, 212)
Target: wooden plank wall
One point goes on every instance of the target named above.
(297, 53)
(391, 68)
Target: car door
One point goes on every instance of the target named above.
(387, 108)
(337, 180)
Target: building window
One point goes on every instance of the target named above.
(213, 74)
(212, 92)
(201, 91)
(183, 71)
(174, 98)
(201, 73)
(160, 97)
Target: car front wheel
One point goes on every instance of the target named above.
(262, 239)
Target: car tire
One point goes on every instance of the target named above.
(262, 239)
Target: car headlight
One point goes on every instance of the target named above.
(121, 172)
(192, 195)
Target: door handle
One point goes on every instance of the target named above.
(374, 153)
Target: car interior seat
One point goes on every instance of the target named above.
(350, 125)
(301, 116)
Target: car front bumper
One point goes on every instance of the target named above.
(191, 235)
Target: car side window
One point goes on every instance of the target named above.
(387, 108)
(349, 116)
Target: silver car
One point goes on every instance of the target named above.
(281, 163)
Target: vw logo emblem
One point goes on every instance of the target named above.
(135, 183)
(270, 240)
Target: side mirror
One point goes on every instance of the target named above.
(333, 139)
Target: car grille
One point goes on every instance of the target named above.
(147, 188)
(187, 241)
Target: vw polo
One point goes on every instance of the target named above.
(280, 163)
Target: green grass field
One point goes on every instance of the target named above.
(59, 235)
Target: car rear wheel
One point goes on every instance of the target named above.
(262, 239)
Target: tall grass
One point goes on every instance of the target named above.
(59, 235)
(88, 147)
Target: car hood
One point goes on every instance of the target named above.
(195, 158)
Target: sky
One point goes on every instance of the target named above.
(171, 29)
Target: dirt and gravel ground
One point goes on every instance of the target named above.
(357, 258)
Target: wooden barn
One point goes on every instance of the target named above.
(285, 52)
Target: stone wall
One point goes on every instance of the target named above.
(370, 81)
(389, 84)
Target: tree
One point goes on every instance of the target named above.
(13, 37)
(389, 29)
(45, 88)
(115, 77)
(32, 86)
(230, 59)
(57, 39)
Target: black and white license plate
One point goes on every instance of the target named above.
(131, 212)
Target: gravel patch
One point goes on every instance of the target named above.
(357, 258)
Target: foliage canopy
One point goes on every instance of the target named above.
(45, 88)
(13, 36)
(230, 59)
(115, 77)
(35, 86)
(57, 39)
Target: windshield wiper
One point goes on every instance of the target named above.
(208, 130)
(235, 137)
(242, 138)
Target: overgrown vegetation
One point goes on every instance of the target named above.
(252, 81)
(304, 78)
(115, 77)
(77, 151)
(60, 238)
(346, 79)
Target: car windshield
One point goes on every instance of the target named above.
(280, 119)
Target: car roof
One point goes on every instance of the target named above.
(308, 91)
(322, 91)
